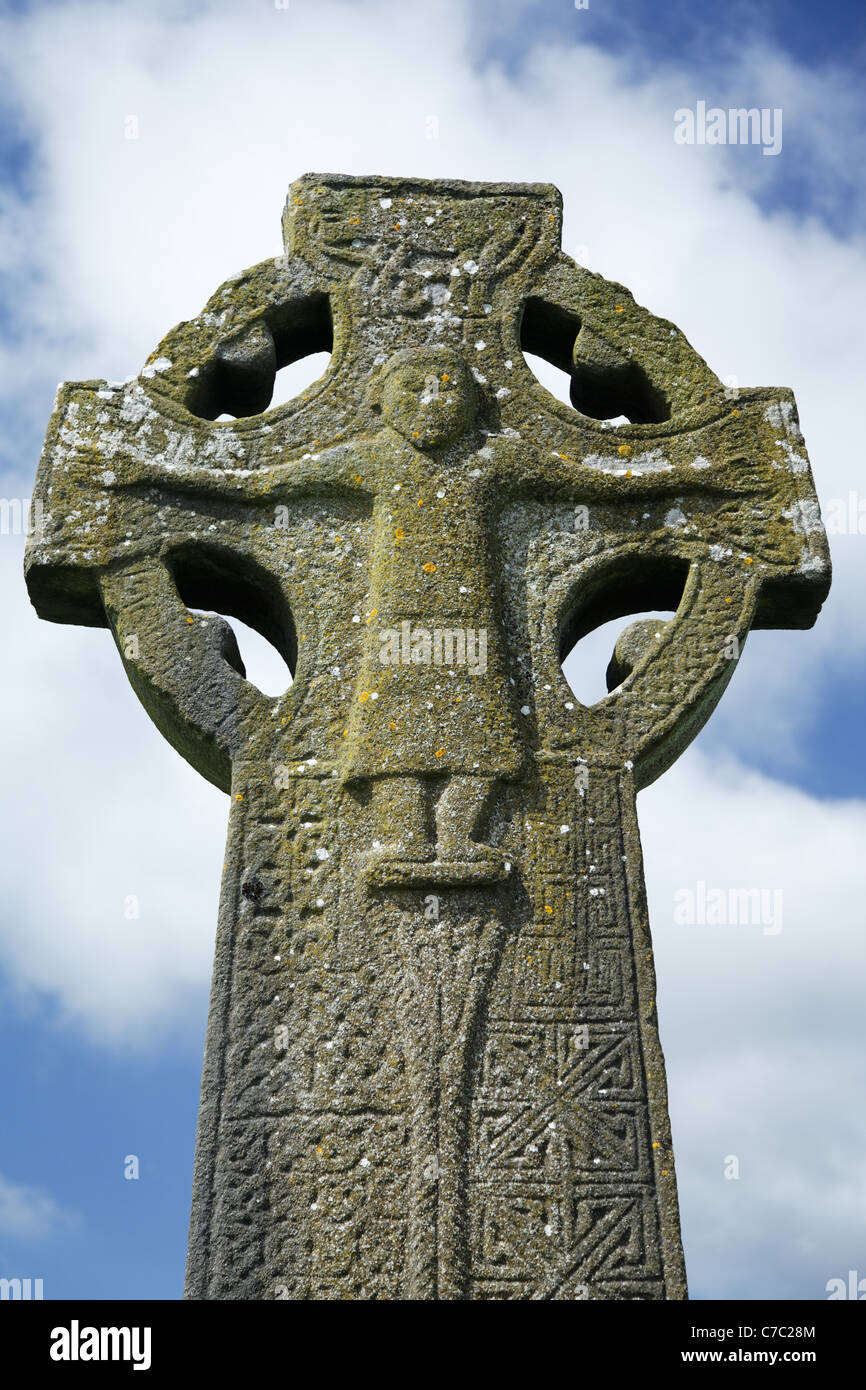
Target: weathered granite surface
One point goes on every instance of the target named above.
(433, 1067)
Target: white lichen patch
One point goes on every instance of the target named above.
(437, 292)
(797, 463)
(812, 563)
(650, 461)
(161, 364)
(224, 447)
(780, 414)
(136, 407)
(805, 516)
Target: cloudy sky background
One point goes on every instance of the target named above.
(107, 242)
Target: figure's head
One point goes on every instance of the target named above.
(429, 395)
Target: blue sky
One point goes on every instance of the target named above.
(679, 32)
(107, 242)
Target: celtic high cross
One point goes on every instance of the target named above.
(432, 1067)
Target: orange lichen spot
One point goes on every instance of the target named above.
(445, 377)
(364, 695)
(729, 600)
(619, 309)
(624, 449)
(749, 560)
(319, 1149)
(735, 412)
(420, 501)
(355, 221)
(399, 533)
(391, 724)
(358, 476)
(190, 620)
(628, 473)
(429, 567)
(547, 909)
(440, 753)
(656, 1144)
(371, 615)
(416, 434)
(239, 796)
(337, 540)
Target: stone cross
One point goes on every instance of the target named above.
(432, 1067)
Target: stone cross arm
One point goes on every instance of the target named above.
(126, 483)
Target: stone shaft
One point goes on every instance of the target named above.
(471, 1107)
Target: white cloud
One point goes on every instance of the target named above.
(762, 1032)
(103, 821)
(26, 1213)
